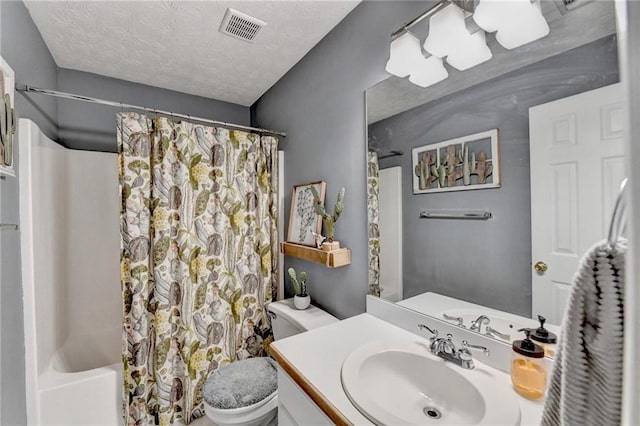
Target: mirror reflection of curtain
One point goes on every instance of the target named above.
(373, 191)
(198, 258)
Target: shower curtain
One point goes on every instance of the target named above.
(198, 258)
(373, 203)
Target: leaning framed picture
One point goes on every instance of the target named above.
(303, 220)
(7, 118)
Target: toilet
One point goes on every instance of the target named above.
(226, 403)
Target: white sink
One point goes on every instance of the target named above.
(402, 383)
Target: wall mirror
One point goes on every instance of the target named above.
(509, 249)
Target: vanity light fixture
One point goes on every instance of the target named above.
(404, 54)
(406, 59)
(448, 37)
(428, 72)
(516, 22)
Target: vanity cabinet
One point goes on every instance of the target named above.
(295, 407)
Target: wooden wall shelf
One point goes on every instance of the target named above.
(332, 259)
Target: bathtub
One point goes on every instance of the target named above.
(69, 215)
(83, 384)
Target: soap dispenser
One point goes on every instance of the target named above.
(544, 338)
(528, 372)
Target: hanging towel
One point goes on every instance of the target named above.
(586, 381)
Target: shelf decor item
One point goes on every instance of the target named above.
(469, 162)
(301, 299)
(303, 219)
(7, 118)
(329, 220)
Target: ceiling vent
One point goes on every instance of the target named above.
(240, 25)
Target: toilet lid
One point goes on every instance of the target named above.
(241, 383)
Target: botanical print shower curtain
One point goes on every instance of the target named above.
(373, 202)
(198, 258)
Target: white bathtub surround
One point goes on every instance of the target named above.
(199, 243)
(72, 305)
(318, 356)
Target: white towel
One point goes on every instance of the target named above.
(586, 382)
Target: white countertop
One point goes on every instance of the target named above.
(318, 355)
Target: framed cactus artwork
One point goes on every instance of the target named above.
(304, 222)
(469, 162)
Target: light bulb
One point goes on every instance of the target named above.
(448, 37)
(404, 54)
(517, 22)
(429, 72)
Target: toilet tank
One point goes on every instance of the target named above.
(286, 320)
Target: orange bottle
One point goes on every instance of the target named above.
(528, 372)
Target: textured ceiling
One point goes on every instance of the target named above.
(176, 44)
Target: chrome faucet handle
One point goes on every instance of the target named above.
(493, 332)
(466, 359)
(452, 318)
(484, 350)
(433, 331)
(433, 340)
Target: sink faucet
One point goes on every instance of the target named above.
(477, 324)
(446, 349)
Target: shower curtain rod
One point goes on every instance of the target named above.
(65, 95)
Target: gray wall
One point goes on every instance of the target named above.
(92, 126)
(22, 47)
(320, 104)
(484, 262)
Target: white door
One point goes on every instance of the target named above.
(577, 165)
(390, 211)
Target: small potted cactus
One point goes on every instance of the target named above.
(329, 220)
(301, 300)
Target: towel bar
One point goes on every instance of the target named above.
(477, 215)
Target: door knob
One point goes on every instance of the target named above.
(540, 267)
